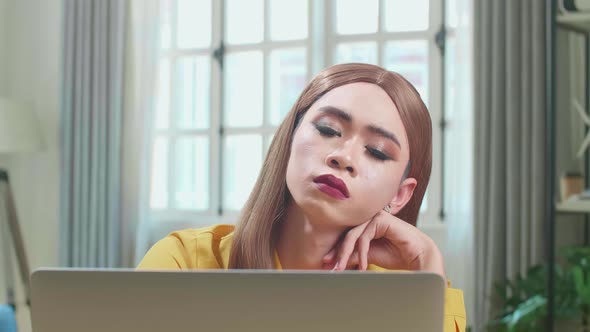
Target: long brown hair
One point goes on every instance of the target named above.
(255, 234)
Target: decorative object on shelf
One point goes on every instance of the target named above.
(584, 195)
(571, 183)
(19, 132)
(575, 204)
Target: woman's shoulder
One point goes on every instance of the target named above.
(206, 247)
(214, 232)
(205, 237)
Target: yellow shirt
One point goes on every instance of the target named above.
(209, 248)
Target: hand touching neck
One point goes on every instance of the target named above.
(303, 240)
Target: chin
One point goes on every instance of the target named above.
(317, 206)
(326, 212)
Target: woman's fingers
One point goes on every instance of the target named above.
(364, 244)
(386, 241)
(346, 249)
(352, 263)
(348, 245)
(329, 257)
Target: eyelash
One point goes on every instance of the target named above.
(377, 154)
(330, 132)
(327, 131)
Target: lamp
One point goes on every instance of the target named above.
(19, 132)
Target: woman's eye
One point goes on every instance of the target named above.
(378, 154)
(327, 131)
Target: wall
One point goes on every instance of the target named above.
(3, 82)
(29, 71)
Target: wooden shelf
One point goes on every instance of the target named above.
(573, 205)
(575, 21)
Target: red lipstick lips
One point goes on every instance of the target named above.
(333, 186)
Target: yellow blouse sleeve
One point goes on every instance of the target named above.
(455, 319)
(169, 253)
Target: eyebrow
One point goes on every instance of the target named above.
(372, 128)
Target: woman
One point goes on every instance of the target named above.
(341, 188)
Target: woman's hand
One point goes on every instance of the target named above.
(388, 242)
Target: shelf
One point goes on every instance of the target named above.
(575, 21)
(574, 205)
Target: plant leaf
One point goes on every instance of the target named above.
(528, 311)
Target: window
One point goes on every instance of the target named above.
(230, 70)
(399, 36)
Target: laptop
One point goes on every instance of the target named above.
(114, 300)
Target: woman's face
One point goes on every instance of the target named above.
(349, 155)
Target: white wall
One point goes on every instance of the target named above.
(3, 80)
(3, 162)
(31, 64)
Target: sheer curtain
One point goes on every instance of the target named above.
(458, 154)
(142, 63)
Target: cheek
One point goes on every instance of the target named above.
(304, 153)
(381, 181)
(303, 142)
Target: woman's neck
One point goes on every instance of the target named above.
(303, 241)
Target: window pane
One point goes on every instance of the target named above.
(403, 15)
(194, 23)
(192, 92)
(410, 59)
(453, 66)
(163, 95)
(244, 21)
(242, 161)
(192, 173)
(159, 190)
(288, 19)
(354, 16)
(243, 89)
(287, 80)
(165, 23)
(452, 8)
(365, 52)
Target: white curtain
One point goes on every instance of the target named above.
(141, 77)
(459, 145)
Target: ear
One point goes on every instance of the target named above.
(403, 195)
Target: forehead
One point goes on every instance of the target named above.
(368, 104)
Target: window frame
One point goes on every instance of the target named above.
(320, 47)
(171, 214)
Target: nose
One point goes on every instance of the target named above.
(343, 159)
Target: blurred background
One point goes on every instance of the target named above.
(148, 116)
